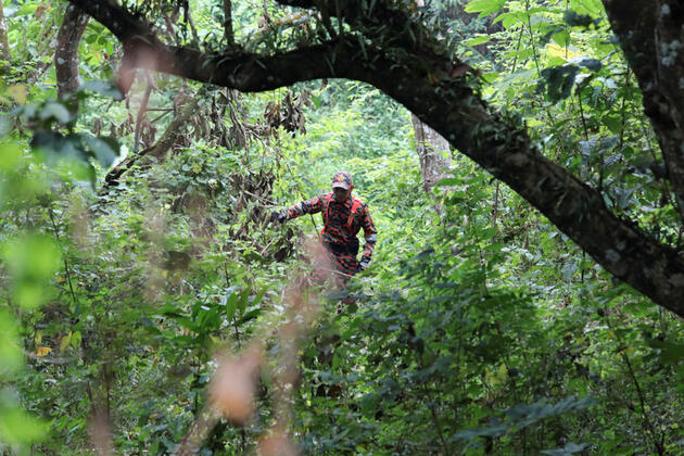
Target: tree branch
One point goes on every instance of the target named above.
(503, 148)
(187, 106)
(142, 112)
(234, 69)
(386, 24)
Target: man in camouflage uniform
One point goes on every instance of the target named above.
(343, 217)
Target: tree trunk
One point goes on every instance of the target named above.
(433, 151)
(66, 55)
(228, 33)
(651, 34)
(4, 42)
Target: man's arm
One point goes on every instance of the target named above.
(370, 234)
(312, 206)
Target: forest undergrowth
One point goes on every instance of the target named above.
(158, 309)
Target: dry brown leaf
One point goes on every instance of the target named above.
(233, 388)
(277, 444)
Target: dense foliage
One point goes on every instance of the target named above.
(478, 329)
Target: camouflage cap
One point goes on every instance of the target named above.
(342, 179)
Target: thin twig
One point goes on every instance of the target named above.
(67, 269)
(141, 112)
(648, 425)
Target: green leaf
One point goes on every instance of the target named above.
(592, 64)
(231, 301)
(10, 156)
(613, 122)
(447, 182)
(561, 38)
(510, 18)
(559, 81)
(670, 352)
(593, 8)
(105, 88)
(76, 339)
(54, 110)
(476, 41)
(104, 149)
(243, 301)
(58, 147)
(19, 428)
(575, 19)
(11, 358)
(250, 315)
(71, 154)
(32, 261)
(484, 7)
(523, 415)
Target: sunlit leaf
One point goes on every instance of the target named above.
(18, 93)
(32, 261)
(18, 428)
(10, 156)
(478, 40)
(484, 7)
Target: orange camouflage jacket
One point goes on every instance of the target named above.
(342, 221)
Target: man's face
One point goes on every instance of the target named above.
(340, 194)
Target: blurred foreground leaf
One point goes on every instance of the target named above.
(32, 261)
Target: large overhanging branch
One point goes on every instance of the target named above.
(385, 24)
(504, 148)
(426, 84)
(242, 71)
(356, 12)
(234, 68)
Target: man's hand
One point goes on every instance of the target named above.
(364, 263)
(279, 217)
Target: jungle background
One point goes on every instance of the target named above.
(137, 250)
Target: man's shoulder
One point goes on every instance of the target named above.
(357, 203)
